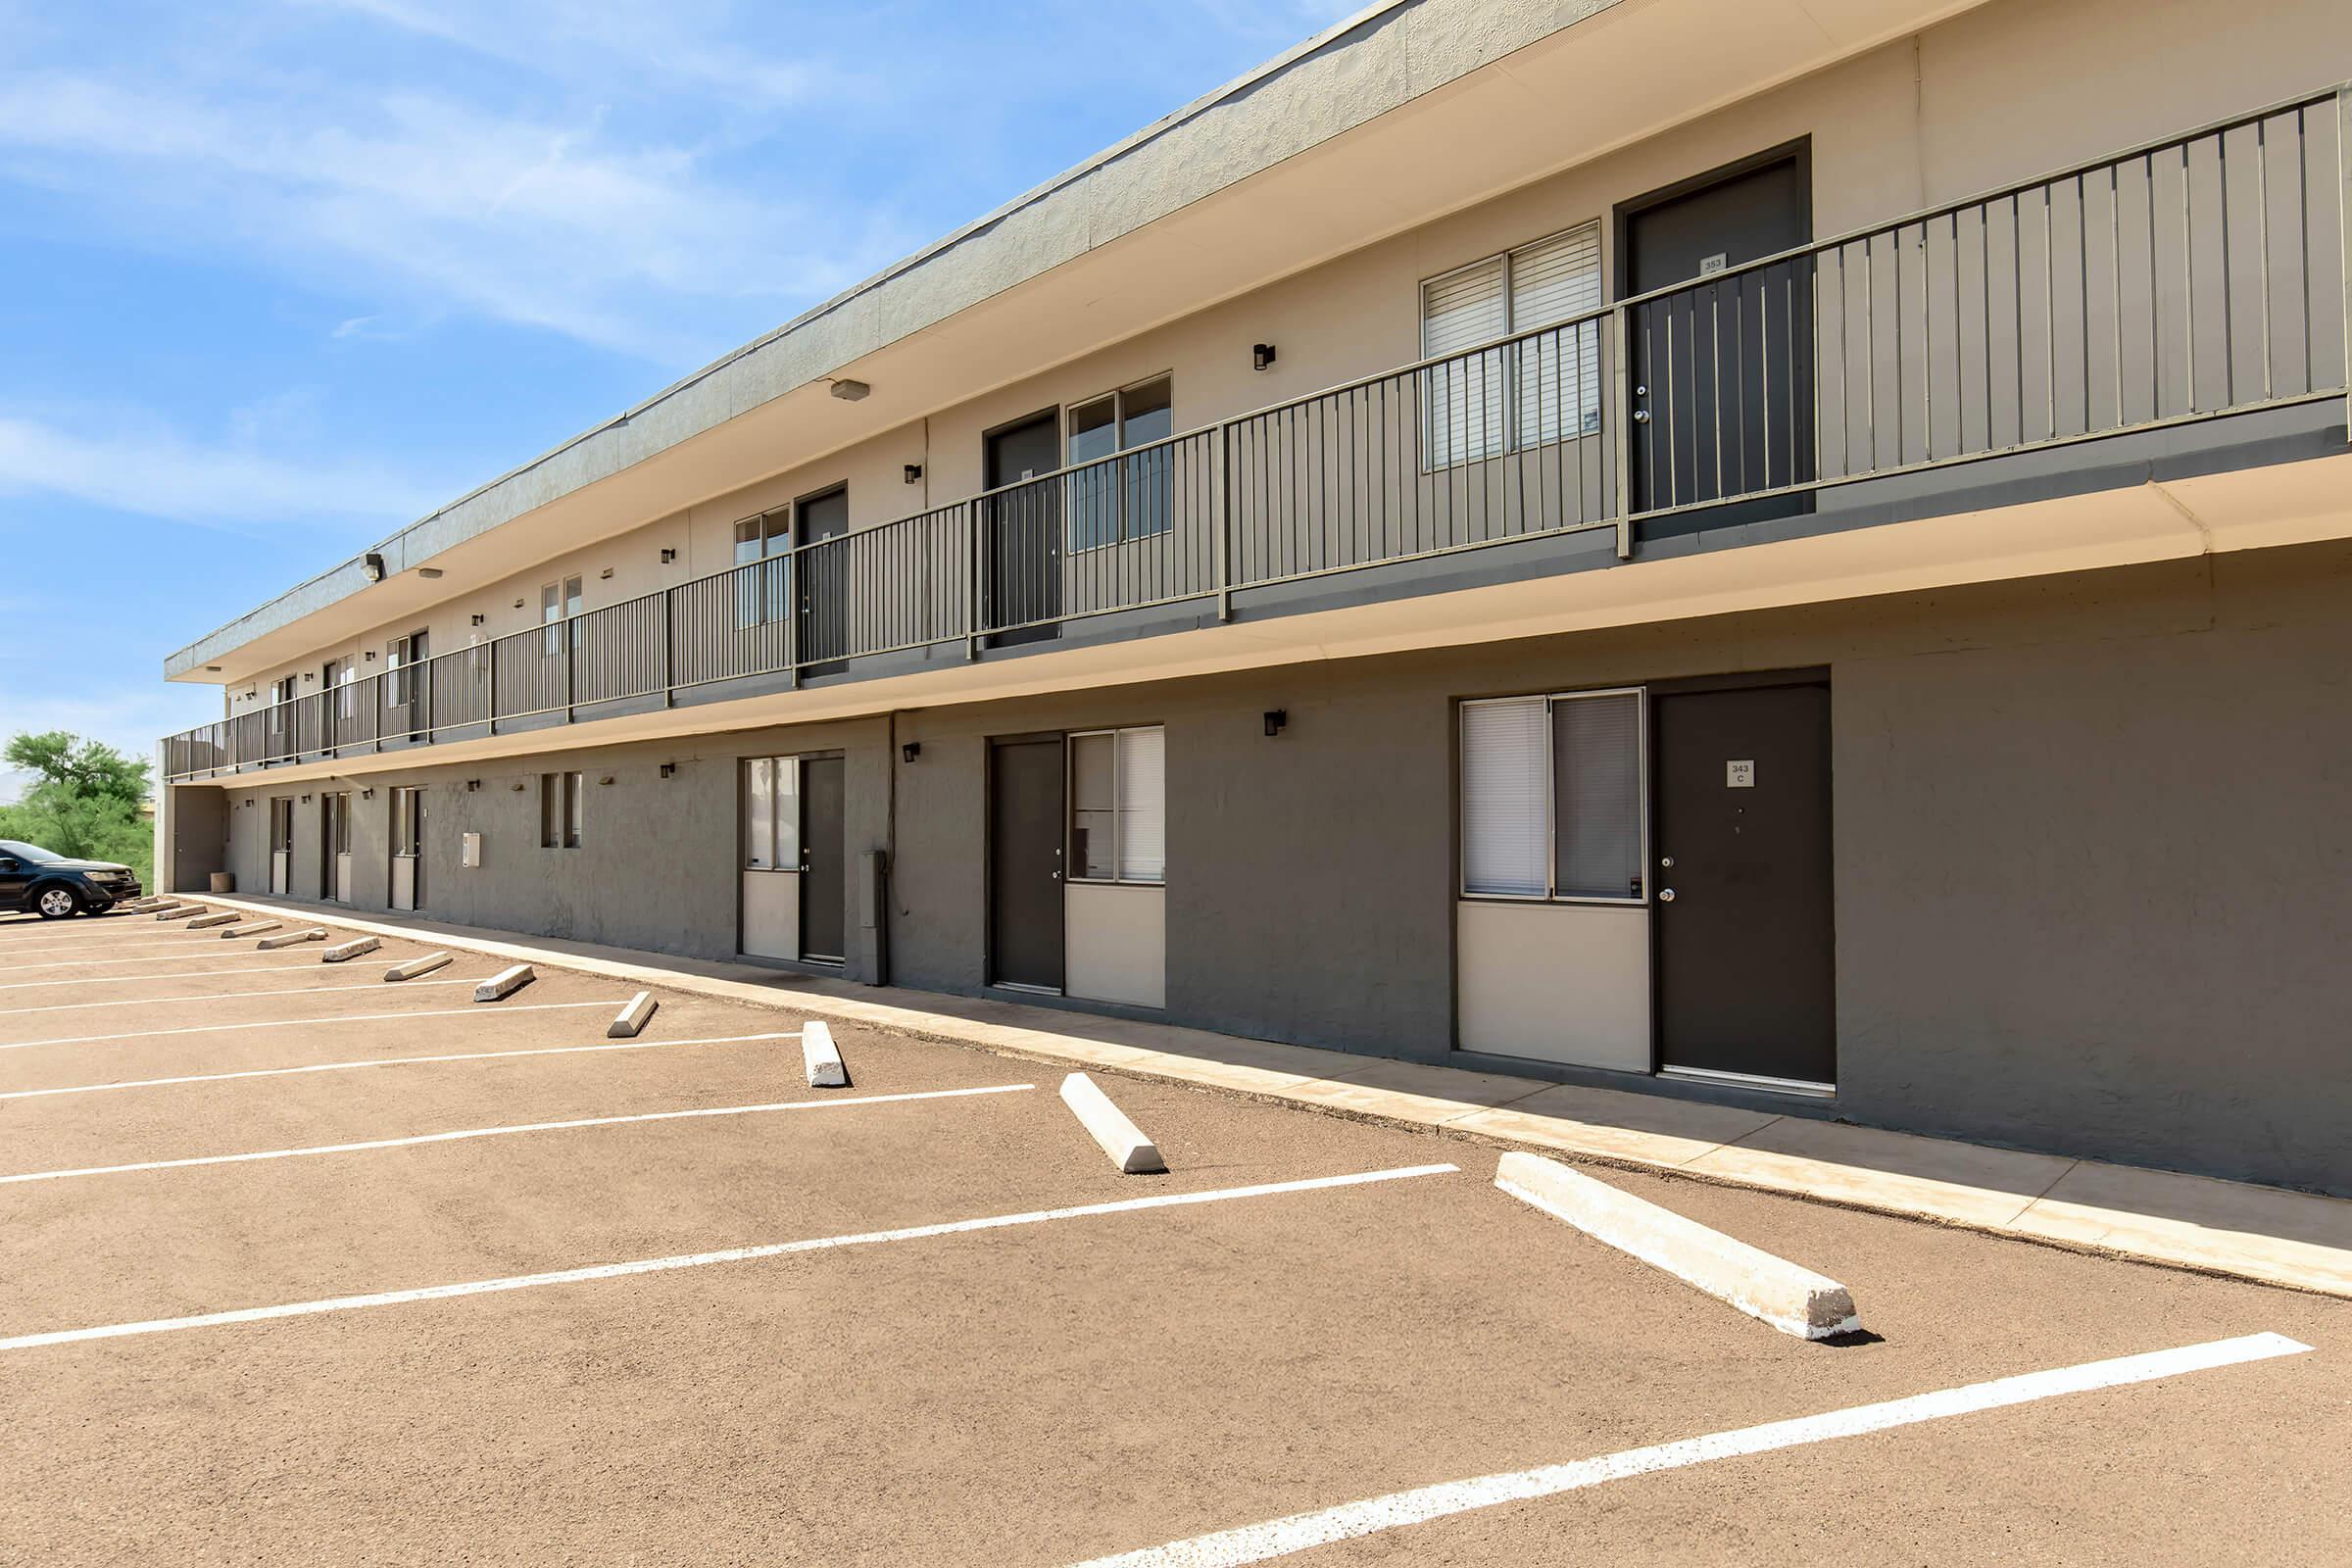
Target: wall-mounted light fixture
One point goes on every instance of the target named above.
(850, 391)
(372, 564)
(309, 674)
(517, 786)
(372, 656)
(251, 695)
(914, 473)
(477, 620)
(473, 784)
(1276, 718)
(669, 556)
(1261, 355)
(306, 800)
(669, 769)
(910, 751)
(366, 794)
(517, 604)
(605, 575)
(606, 779)
(429, 571)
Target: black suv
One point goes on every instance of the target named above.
(54, 887)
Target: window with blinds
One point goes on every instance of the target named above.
(1118, 806)
(1481, 402)
(771, 814)
(1552, 796)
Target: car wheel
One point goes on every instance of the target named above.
(55, 903)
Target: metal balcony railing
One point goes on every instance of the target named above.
(2200, 277)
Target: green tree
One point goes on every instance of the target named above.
(85, 801)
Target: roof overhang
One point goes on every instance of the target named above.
(1352, 137)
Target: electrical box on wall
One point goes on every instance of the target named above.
(469, 849)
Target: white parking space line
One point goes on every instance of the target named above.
(181, 945)
(213, 953)
(737, 1254)
(173, 974)
(376, 985)
(464, 1134)
(1229, 1548)
(297, 1023)
(384, 1061)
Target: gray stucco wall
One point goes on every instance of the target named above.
(2095, 881)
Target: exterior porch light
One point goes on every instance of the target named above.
(851, 391)
(1261, 355)
(1276, 719)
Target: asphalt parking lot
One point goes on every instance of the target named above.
(279, 1240)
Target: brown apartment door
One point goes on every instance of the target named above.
(1024, 529)
(824, 858)
(1722, 368)
(1745, 964)
(1024, 864)
(824, 580)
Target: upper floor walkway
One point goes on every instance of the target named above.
(2183, 302)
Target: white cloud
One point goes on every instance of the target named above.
(538, 219)
(139, 466)
(686, 43)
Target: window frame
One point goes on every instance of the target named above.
(763, 593)
(400, 658)
(563, 830)
(570, 601)
(1551, 895)
(1108, 461)
(778, 804)
(1070, 814)
(1513, 439)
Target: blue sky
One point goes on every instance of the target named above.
(279, 276)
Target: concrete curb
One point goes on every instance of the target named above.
(250, 928)
(821, 1056)
(505, 983)
(181, 912)
(633, 1018)
(1124, 1142)
(348, 951)
(205, 922)
(2232, 1230)
(1792, 1299)
(416, 966)
(290, 939)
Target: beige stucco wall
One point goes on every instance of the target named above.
(1998, 94)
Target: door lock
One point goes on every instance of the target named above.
(1665, 895)
(1667, 861)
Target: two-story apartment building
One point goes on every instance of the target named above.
(1790, 551)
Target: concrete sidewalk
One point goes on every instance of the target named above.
(2297, 1240)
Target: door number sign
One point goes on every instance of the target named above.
(1740, 774)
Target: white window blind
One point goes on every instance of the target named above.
(1143, 806)
(1505, 779)
(1464, 398)
(759, 813)
(1538, 390)
(1551, 281)
(1596, 796)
